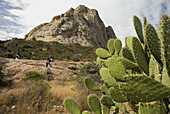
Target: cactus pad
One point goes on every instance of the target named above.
(127, 54)
(116, 69)
(110, 46)
(94, 104)
(105, 109)
(102, 53)
(151, 109)
(107, 78)
(165, 77)
(106, 100)
(165, 38)
(138, 27)
(153, 42)
(139, 55)
(91, 85)
(104, 89)
(72, 106)
(142, 88)
(152, 64)
(117, 46)
(128, 64)
(128, 41)
(117, 95)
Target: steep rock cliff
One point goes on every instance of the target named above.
(81, 25)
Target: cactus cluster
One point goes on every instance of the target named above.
(138, 73)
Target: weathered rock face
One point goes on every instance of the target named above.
(81, 25)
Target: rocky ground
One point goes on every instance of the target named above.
(16, 69)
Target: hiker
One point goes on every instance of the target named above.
(17, 55)
(48, 62)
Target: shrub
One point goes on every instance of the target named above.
(33, 75)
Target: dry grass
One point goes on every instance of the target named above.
(15, 92)
(61, 90)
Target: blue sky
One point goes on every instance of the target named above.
(18, 17)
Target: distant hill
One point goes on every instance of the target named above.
(39, 50)
(81, 25)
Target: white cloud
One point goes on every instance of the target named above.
(117, 13)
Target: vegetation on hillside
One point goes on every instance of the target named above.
(39, 50)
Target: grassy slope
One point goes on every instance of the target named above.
(42, 96)
(40, 50)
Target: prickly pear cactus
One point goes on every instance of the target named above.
(139, 73)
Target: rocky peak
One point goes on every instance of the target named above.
(81, 25)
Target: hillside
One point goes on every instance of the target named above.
(39, 50)
(21, 93)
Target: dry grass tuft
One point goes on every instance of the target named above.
(61, 90)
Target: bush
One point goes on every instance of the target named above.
(34, 76)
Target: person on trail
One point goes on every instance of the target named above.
(17, 55)
(48, 62)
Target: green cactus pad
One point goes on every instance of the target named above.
(106, 100)
(116, 69)
(151, 109)
(165, 77)
(153, 42)
(152, 64)
(86, 112)
(117, 95)
(102, 53)
(128, 42)
(104, 89)
(91, 85)
(141, 88)
(138, 27)
(94, 104)
(72, 106)
(139, 55)
(105, 109)
(126, 53)
(110, 46)
(117, 46)
(128, 64)
(107, 78)
(165, 40)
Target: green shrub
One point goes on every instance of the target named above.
(33, 75)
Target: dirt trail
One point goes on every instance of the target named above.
(15, 70)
